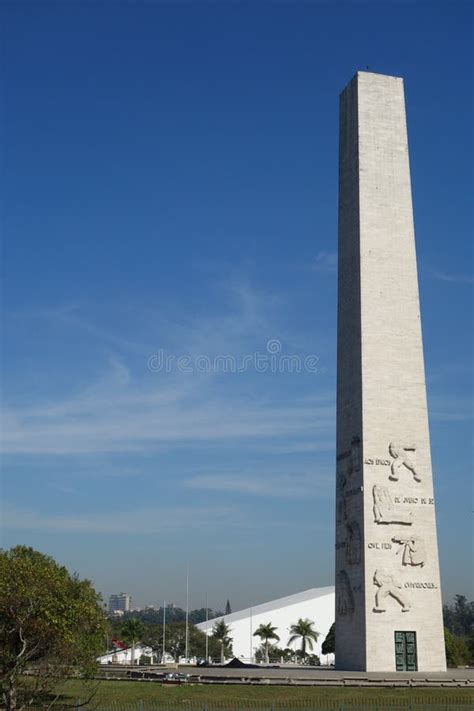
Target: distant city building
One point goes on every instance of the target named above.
(317, 605)
(119, 603)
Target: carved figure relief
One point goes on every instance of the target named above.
(344, 595)
(404, 456)
(384, 510)
(413, 550)
(353, 545)
(388, 587)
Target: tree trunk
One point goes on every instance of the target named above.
(266, 652)
(133, 653)
(10, 696)
(222, 653)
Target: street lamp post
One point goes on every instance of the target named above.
(186, 646)
(207, 624)
(164, 631)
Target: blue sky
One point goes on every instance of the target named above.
(170, 186)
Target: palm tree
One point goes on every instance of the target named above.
(266, 633)
(132, 631)
(221, 632)
(304, 630)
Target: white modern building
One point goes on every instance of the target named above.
(316, 604)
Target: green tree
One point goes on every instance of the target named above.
(176, 639)
(220, 633)
(457, 649)
(153, 637)
(304, 630)
(132, 632)
(51, 622)
(329, 644)
(197, 616)
(275, 654)
(459, 616)
(307, 659)
(266, 633)
(150, 616)
(470, 649)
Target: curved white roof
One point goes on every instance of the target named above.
(287, 601)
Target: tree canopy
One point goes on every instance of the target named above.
(329, 644)
(221, 633)
(132, 630)
(151, 616)
(459, 616)
(50, 621)
(266, 632)
(304, 630)
(459, 631)
(176, 641)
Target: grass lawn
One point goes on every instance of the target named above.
(127, 695)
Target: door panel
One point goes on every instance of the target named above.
(405, 651)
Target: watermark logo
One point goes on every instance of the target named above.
(271, 361)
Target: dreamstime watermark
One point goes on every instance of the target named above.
(273, 361)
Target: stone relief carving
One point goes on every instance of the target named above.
(353, 543)
(388, 586)
(412, 549)
(384, 510)
(344, 595)
(404, 456)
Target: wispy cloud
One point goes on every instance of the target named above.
(72, 318)
(451, 408)
(287, 486)
(444, 374)
(150, 521)
(450, 277)
(140, 521)
(325, 262)
(128, 409)
(302, 445)
(136, 421)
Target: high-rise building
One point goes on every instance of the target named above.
(119, 603)
(388, 597)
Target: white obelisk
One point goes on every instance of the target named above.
(388, 597)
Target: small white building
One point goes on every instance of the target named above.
(316, 604)
(124, 656)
